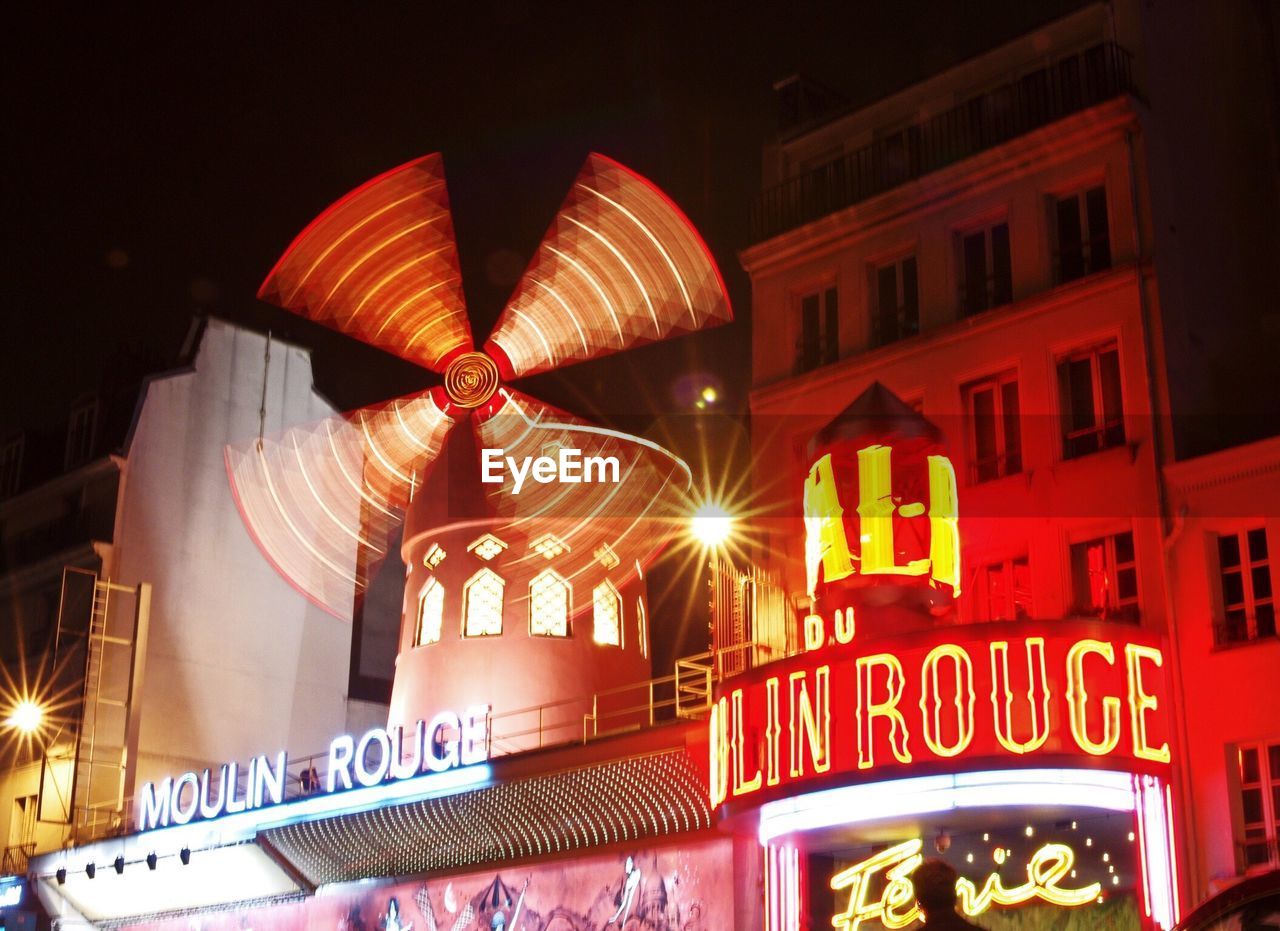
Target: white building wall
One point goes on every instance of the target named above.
(239, 663)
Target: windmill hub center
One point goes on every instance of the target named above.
(471, 379)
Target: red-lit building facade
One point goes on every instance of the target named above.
(997, 246)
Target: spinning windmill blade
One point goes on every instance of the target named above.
(621, 265)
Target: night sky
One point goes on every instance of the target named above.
(158, 164)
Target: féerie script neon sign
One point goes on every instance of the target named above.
(896, 907)
(381, 755)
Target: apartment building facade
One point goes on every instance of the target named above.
(135, 600)
(983, 244)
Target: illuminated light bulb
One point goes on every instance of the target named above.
(27, 716)
(968, 858)
(1073, 825)
(1130, 837)
(1115, 880)
(986, 837)
(711, 525)
(1073, 874)
(1088, 841)
(999, 855)
(1106, 858)
(710, 395)
(1099, 900)
(1029, 831)
(1111, 868)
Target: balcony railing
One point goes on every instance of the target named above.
(1034, 100)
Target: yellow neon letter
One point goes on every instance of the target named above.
(844, 625)
(813, 717)
(825, 543)
(1077, 698)
(896, 907)
(815, 633)
(1140, 702)
(741, 786)
(963, 700)
(772, 731)
(719, 743)
(944, 532)
(1002, 696)
(869, 710)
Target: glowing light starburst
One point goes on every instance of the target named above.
(27, 716)
(711, 525)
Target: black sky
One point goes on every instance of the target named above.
(158, 160)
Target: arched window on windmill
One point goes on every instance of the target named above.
(549, 605)
(482, 604)
(607, 614)
(430, 613)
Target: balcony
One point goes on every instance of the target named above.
(1034, 100)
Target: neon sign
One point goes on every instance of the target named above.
(878, 523)
(896, 907)
(942, 698)
(446, 742)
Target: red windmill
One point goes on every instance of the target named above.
(620, 265)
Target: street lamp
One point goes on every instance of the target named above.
(27, 716)
(711, 525)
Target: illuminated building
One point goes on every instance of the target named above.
(995, 245)
(978, 652)
(136, 543)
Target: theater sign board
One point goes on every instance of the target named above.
(448, 741)
(943, 700)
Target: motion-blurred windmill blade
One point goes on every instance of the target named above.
(632, 510)
(381, 265)
(621, 265)
(323, 500)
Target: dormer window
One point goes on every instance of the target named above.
(486, 547)
(430, 613)
(482, 604)
(549, 598)
(607, 614)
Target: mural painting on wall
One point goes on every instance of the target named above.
(669, 889)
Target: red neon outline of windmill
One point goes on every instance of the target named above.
(619, 266)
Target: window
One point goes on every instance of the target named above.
(11, 465)
(987, 275)
(1104, 577)
(1002, 591)
(548, 605)
(482, 604)
(1089, 396)
(819, 330)
(994, 427)
(897, 301)
(607, 610)
(22, 825)
(430, 613)
(81, 429)
(1248, 610)
(1259, 805)
(1083, 240)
